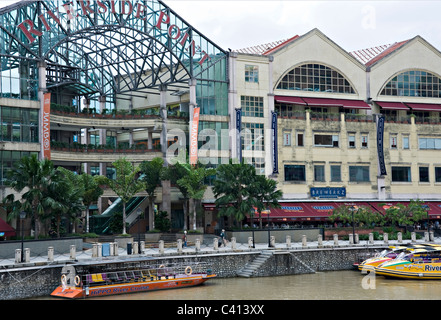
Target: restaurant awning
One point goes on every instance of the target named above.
(288, 99)
(323, 102)
(424, 106)
(392, 105)
(6, 229)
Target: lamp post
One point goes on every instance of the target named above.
(139, 213)
(22, 217)
(353, 209)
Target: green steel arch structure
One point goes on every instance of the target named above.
(104, 48)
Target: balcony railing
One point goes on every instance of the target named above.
(79, 147)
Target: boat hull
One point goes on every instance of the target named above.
(429, 271)
(142, 286)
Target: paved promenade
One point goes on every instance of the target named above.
(88, 255)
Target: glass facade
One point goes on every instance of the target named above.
(413, 83)
(315, 77)
(7, 160)
(19, 124)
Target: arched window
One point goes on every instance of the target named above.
(315, 77)
(413, 83)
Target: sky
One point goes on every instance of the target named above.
(352, 25)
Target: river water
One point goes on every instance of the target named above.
(332, 285)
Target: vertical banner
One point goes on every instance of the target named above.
(380, 145)
(46, 124)
(239, 135)
(194, 137)
(274, 141)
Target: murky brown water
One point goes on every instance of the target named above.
(336, 285)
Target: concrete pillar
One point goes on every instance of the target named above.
(268, 134)
(179, 244)
(103, 135)
(357, 238)
(100, 250)
(351, 238)
(288, 241)
(232, 102)
(272, 241)
(116, 248)
(386, 238)
(95, 250)
(371, 238)
(400, 237)
(161, 246)
(50, 254)
(233, 243)
(111, 249)
(413, 237)
(27, 255)
(150, 140)
(250, 242)
(135, 248)
(142, 244)
(198, 245)
(215, 244)
(426, 236)
(304, 241)
(42, 88)
(73, 250)
(320, 240)
(166, 200)
(335, 239)
(17, 255)
(431, 236)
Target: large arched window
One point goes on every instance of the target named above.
(413, 83)
(315, 77)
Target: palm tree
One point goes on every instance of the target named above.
(264, 194)
(92, 192)
(231, 189)
(151, 175)
(194, 183)
(126, 184)
(35, 179)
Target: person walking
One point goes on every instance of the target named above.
(223, 238)
(184, 238)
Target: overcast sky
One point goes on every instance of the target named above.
(351, 24)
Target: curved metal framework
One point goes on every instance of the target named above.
(104, 47)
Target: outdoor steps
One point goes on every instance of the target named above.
(254, 265)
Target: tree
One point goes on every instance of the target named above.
(92, 192)
(361, 214)
(35, 179)
(194, 183)
(400, 214)
(264, 194)
(126, 184)
(231, 189)
(151, 175)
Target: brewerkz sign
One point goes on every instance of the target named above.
(128, 9)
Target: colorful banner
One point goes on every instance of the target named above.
(46, 123)
(239, 135)
(194, 137)
(380, 145)
(274, 141)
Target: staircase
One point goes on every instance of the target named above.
(254, 265)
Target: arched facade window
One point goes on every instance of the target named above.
(413, 83)
(315, 77)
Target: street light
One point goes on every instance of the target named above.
(22, 217)
(353, 209)
(139, 213)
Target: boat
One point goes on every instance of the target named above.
(414, 263)
(77, 286)
(390, 254)
(385, 255)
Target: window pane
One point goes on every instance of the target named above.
(424, 174)
(335, 173)
(295, 173)
(401, 174)
(359, 173)
(319, 173)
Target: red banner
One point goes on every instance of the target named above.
(194, 137)
(46, 122)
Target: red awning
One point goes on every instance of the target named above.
(288, 99)
(392, 105)
(424, 106)
(323, 102)
(354, 104)
(6, 229)
(209, 206)
(434, 209)
(290, 210)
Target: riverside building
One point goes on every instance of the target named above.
(88, 82)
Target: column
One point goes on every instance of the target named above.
(86, 138)
(232, 104)
(268, 131)
(41, 91)
(103, 134)
(166, 200)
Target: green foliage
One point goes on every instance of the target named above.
(162, 222)
(362, 215)
(402, 215)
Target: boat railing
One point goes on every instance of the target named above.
(158, 272)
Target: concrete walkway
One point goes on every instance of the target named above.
(86, 255)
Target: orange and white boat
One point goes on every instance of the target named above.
(75, 286)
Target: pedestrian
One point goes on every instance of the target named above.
(184, 238)
(223, 237)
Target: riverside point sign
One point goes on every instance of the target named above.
(125, 8)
